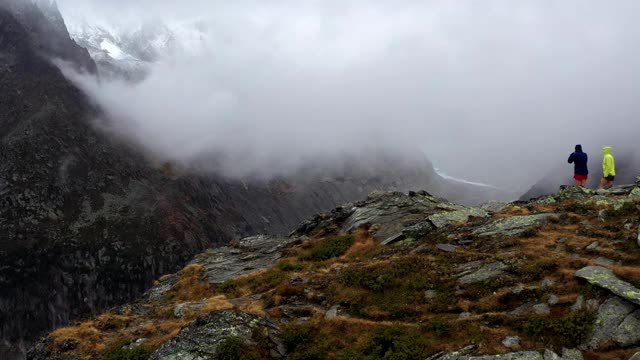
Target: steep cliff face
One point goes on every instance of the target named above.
(76, 208)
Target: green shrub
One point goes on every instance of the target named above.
(234, 348)
(330, 247)
(535, 270)
(397, 343)
(627, 208)
(296, 335)
(288, 266)
(485, 287)
(267, 281)
(410, 272)
(120, 352)
(574, 327)
(439, 327)
(228, 286)
(581, 207)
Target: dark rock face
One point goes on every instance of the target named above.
(85, 223)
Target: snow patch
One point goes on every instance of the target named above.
(113, 49)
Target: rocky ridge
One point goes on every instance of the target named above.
(398, 275)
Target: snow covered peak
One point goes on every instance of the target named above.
(121, 50)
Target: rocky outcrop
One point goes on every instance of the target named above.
(395, 215)
(513, 226)
(227, 262)
(201, 339)
(492, 285)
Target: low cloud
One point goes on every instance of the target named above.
(493, 91)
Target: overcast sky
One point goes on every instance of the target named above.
(493, 91)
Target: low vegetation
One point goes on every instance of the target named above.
(330, 247)
(400, 301)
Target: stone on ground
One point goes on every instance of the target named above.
(605, 278)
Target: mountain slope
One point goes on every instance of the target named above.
(554, 275)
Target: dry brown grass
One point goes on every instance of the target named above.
(85, 333)
(628, 273)
(364, 244)
(191, 284)
(512, 211)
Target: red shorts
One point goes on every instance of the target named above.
(579, 177)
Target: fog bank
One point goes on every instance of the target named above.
(492, 91)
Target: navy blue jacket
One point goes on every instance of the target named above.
(579, 159)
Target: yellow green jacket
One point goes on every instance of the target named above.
(608, 163)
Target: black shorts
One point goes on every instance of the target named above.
(610, 178)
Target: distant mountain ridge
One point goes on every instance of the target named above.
(124, 53)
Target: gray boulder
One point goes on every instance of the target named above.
(611, 315)
(446, 247)
(594, 245)
(575, 192)
(511, 341)
(445, 218)
(200, 339)
(513, 226)
(604, 278)
(571, 354)
(486, 272)
(628, 332)
(550, 355)
(494, 206)
(541, 309)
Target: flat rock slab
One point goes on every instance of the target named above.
(494, 206)
(605, 278)
(445, 218)
(486, 272)
(250, 254)
(446, 247)
(513, 226)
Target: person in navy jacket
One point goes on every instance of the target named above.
(580, 172)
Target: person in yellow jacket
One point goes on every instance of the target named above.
(608, 168)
